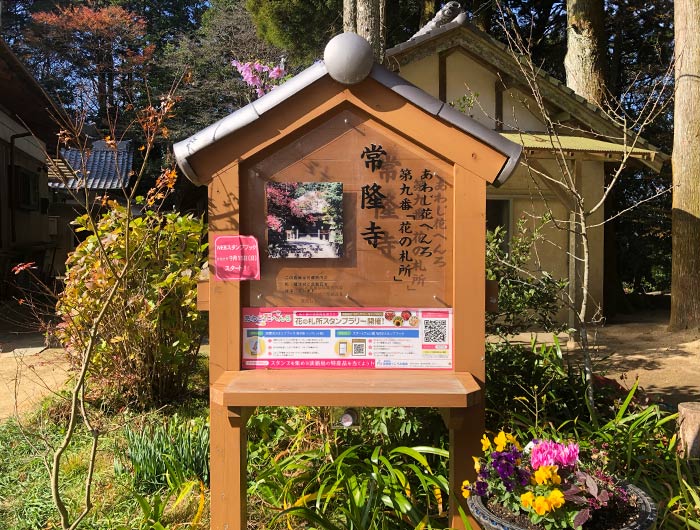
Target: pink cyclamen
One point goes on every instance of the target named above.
(548, 453)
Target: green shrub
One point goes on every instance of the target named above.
(389, 489)
(398, 426)
(526, 299)
(683, 509)
(531, 385)
(167, 453)
(293, 450)
(149, 338)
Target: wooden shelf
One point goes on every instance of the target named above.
(344, 388)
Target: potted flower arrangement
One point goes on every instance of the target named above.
(545, 485)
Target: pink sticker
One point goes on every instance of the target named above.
(236, 258)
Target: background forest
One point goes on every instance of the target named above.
(104, 56)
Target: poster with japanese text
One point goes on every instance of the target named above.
(348, 337)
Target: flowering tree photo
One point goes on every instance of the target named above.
(304, 219)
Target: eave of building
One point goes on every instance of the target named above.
(486, 49)
(572, 146)
(25, 99)
(106, 167)
(59, 170)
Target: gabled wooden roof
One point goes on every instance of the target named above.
(329, 85)
(461, 34)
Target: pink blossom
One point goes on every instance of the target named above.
(548, 453)
(274, 223)
(277, 72)
(259, 76)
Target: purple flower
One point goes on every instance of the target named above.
(523, 477)
(481, 488)
(504, 468)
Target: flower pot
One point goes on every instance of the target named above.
(645, 519)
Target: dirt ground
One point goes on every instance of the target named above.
(639, 345)
(28, 374)
(667, 364)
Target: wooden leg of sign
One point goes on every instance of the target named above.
(466, 427)
(228, 467)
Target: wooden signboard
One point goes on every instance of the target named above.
(362, 207)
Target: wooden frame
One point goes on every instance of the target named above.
(226, 166)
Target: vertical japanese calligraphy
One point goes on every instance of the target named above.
(418, 200)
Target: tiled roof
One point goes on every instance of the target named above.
(107, 168)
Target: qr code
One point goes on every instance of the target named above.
(434, 331)
(358, 349)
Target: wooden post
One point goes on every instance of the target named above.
(228, 470)
(464, 425)
(469, 247)
(689, 428)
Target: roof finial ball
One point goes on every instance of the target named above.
(348, 58)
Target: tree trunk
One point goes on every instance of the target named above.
(685, 268)
(585, 50)
(382, 30)
(369, 25)
(615, 66)
(350, 15)
(102, 106)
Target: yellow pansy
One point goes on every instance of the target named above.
(500, 441)
(465, 489)
(547, 473)
(556, 479)
(542, 475)
(541, 505)
(477, 464)
(555, 499)
(485, 443)
(526, 499)
(512, 439)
